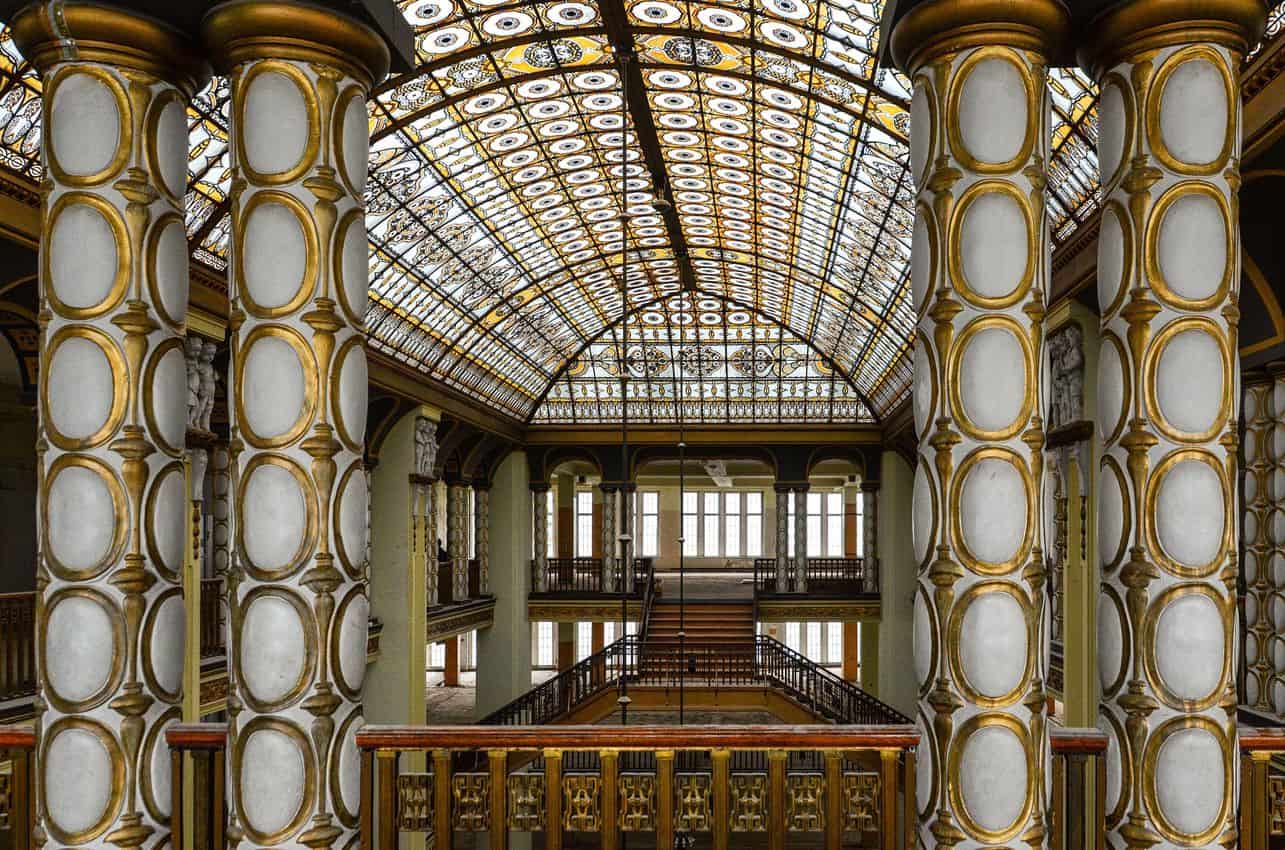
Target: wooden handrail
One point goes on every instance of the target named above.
(1078, 820)
(592, 737)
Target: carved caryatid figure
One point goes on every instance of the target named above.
(425, 446)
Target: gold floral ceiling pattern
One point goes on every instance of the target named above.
(502, 165)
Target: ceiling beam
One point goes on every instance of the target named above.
(616, 22)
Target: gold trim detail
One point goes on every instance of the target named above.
(1134, 29)
(120, 651)
(971, 330)
(1155, 223)
(116, 785)
(1151, 664)
(300, 740)
(153, 271)
(966, 730)
(1151, 756)
(954, 644)
(123, 255)
(1156, 92)
(174, 194)
(931, 30)
(1033, 124)
(1156, 483)
(120, 392)
(1151, 371)
(164, 347)
(957, 530)
(119, 506)
(307, 670)
(308, 540)
(955, 258)
(124, 125)
(312, 146)
(309, 231)
(307, 365)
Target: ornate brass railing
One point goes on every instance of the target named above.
(826, 576)
(1079, 818)
(1262, 788)
(17, 786)
(17, 645)
(865, 781)
(769, 662)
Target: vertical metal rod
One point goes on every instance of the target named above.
(665, 800)
(610, 835)
(834, 801)
(499, 763)
(776, 800)
(553, 800)
(721, 780)
(443, 835)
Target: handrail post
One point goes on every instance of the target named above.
(443, 835)
(665, 799)
(888, 799)
(1254, 803)
(366, 825)
(721, 779)
(833, 799)
(553, 799)
(776, 800)
(610, 834)
(910, 801)
(386, 762)
(499, 762)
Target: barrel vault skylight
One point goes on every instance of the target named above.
(773, 289)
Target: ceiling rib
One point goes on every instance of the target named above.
(616, 23)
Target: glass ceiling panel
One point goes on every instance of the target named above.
(495, 201)
(700, 360)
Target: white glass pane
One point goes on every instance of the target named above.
(789, 530)
(792, 636)
(650, 502)
(814, 503)
(814, 642)
(437, 655)
(834, 503)
(814, 537)
(584, 640)
(754, 503)
(609, 632)
(834, 536)
(732, 503)
(711, 503)
(753, 536)
(733, 536)
(584, 536)
(651, 536)
(710, 547)
(834, 642)
(690, 543)
(689, 503)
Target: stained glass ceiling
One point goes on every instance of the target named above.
(495, 204)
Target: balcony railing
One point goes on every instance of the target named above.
(584, 575)
(17, 645)
(1262, 788)
(446, 582)
(769, 663)
(1079, 820)
(212, 637)
(865, 783)
(826, 576)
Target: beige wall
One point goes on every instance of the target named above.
(897, 583)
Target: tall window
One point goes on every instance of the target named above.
(691, 525)
(814, 643)
(551, 546)
(709, 528)
(546, 639)
(792, 635)
(584, 641)
(834, 642)
(584, 524)
(815, 542)
(834, 524)
(611, 631)
(437, 656)
(753, 524)
(723, 523)
(649, 523)
(861, 525)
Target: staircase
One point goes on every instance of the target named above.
(719, 638)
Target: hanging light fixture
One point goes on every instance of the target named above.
(624, 559)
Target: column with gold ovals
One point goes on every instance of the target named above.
(300, 77)
(1168, 276)
(980, 270)
(113, 414)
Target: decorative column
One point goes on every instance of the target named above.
(482, 534)
(625, 536)
(980, 272)
(423, 547)
(1168, 275)
(540, 535)
(1261, 500)
(112, 516)
(801, 538)
(782, 537)
(457, 539)
(297, 285)
(610, 580)
(870, 536)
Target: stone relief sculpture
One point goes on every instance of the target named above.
(425, 446)
(1066, 362)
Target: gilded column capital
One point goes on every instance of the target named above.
(939, 27)
(245, 30)
(1138, 26)
(49, 34)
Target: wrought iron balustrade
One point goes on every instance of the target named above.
(601, 783)
(826, 576)
(212, 639)
(584, 575)
(17, 645)
(769, 662)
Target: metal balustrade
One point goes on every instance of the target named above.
(826, 576)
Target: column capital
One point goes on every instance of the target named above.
(1128, 29)
(540, 486)
(480, 484)
(422, 480)
(933, 29)
(246, 30)
(790, 486)
(869, 486)
(94, 32)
